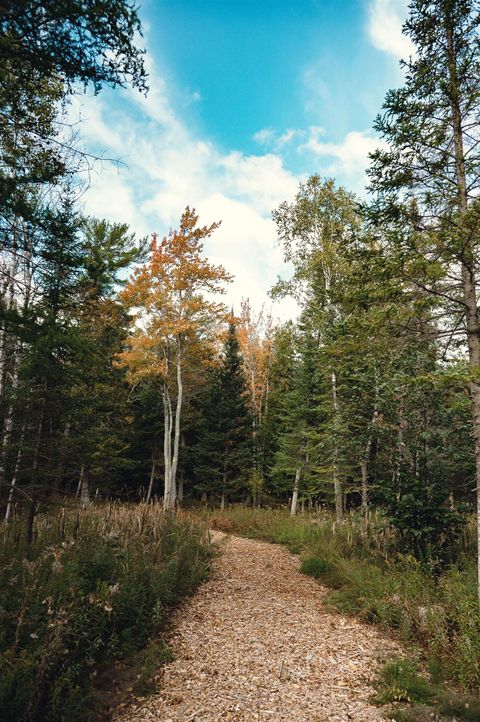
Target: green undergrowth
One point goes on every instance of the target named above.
(416, 697)
(148, 661)
(92, 589)
(369, 578)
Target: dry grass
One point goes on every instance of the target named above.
(92, 587)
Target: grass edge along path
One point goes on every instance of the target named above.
(437, 616)
(92, 588)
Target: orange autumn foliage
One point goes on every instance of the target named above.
(255, 338)
(167, 297)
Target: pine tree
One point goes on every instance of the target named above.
(224, 451)
(427, 181)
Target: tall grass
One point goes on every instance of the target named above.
(92, 587)
(359, 561)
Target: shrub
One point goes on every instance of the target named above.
(428, 528)
(315, 567)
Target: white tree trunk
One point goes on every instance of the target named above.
(337, 482)
(168, 498)
(178, 416)
(85, 490)
(16, 472)
(80, 482)
(150, 483)
(296, 489)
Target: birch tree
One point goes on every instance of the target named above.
(311, 230)
(171, 316)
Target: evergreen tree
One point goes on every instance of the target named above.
(427, 181)
(224, 451)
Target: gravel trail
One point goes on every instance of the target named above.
(256, 644)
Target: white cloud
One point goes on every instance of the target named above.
(348, 159)
(274, 140)
(384, 26)
(167, 167)
(264, 136)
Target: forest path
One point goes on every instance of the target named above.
(256, 643)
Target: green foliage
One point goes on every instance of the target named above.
(417, 507)
(315, 567)
(223, 452)
(74, 41)
(70, 607)
(149, 661)
(400, 682)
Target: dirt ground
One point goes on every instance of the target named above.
(257, 643)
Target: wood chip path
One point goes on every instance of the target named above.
(256, 644)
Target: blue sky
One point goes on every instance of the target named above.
(247, 98)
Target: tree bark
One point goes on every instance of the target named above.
(366, 461)
(16, 473)
(150, 483)
(178, 416)
(296, 489)
(168, 501)
(85, 490)
(337, 482)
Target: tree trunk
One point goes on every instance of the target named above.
(178, 416)
(366, 461)
(168, 500)
(296, 489)
(337, 482)
(150, 483)
(16, 473)
(80, 482)
(85, 490)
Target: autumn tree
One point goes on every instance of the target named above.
(171, 317)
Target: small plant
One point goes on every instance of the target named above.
(401, 682)
(315, 567)
(149, 661)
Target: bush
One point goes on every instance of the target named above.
(427, 527)
(93, 587)
(315, 567)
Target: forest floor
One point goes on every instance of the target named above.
(257, 643)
